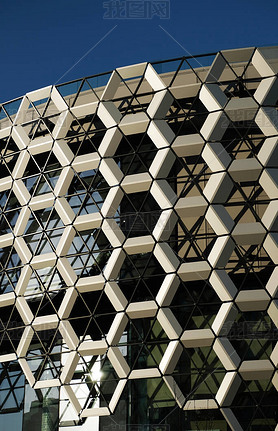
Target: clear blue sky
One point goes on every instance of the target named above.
(42, 40)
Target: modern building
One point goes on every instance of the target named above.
(139, 249)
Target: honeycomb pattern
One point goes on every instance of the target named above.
(139, 237)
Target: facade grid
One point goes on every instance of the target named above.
(138, 248)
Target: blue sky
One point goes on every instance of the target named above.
(43, 42)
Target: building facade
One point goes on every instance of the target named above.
(139, 249)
